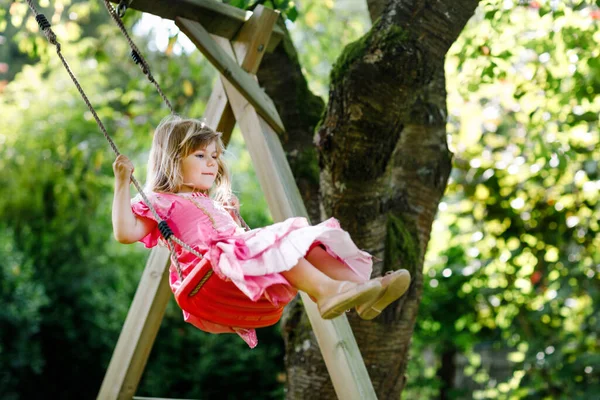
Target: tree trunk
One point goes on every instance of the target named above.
(384, 165)
(447, 371)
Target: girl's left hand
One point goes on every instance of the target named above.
(233, 202)
(233, 208)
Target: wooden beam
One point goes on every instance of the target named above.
(226, 65)
(218, 113)
(218, 18)
(248, 43)
(336, 341)
(139, 331)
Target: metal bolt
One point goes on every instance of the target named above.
(261, 47)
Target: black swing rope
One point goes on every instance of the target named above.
(163, 226)
(136, 55)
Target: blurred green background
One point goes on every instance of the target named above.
(512, 270)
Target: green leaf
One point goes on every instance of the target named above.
(292, 13)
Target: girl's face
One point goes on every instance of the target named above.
(200, 168)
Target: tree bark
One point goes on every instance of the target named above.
(384, 163)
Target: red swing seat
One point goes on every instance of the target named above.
(209, 298)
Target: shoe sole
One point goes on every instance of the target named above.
(348, 300)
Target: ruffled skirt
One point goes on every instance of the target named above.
(253, 260)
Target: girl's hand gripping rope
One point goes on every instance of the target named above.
(233, 202)
(123, 168)
(233, 208)
(127, 227)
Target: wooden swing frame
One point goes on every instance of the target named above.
(234, 41)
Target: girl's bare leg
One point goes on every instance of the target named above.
(322, 276)
(331, 267)
(306, 277)
(333, 297)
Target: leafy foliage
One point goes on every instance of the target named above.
(513, 260)
(23, 297)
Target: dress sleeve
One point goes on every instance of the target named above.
(164, 208)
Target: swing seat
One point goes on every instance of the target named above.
(218, 306)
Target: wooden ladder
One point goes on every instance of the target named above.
(236, 96)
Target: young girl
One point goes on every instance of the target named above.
(188, 185)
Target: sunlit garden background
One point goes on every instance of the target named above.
(510, 307)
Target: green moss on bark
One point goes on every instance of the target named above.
(401, 247)
(305, 165)
(373, 39)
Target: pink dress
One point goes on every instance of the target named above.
(252, 260)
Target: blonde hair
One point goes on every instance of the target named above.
(174, 139)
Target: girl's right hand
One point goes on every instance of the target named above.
(123, 168)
